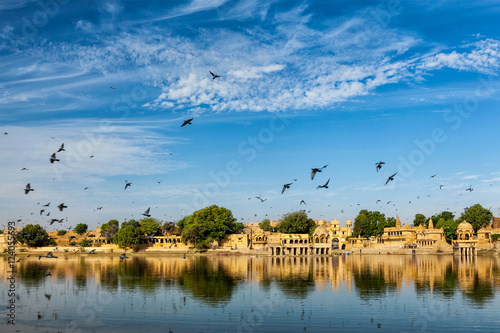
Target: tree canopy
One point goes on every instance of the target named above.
(265, 225)
(368, 224)
(81, 228)
(109, 229)
(449, 228)
(128, 235)
(477, 216)
(208, 224)
(33, 235)
(419, 219)
(296, 223)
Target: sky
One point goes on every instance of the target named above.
(303, 84)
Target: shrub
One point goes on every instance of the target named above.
(52, 242)
(72, 244)
(61, 232)
(84, 243)
(495, 237)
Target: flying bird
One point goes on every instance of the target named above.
(53, 158)
(314, 170)
(324, 186)
(186, 122)
(379, 165)
(92, 252)
(62, 206)
(146, 213)
(24, 169)
(85, 188)
(390, 178)
(469, 189)
(127, 184)
(440, 186)
(61, 148)
(91, 156)
(28, 188)
(434, 175)
(55, 220)
(285, 187)
(378, 201)
(112, 88)
(303, 202)
(123, 257)
(41, 211)
(214, 76)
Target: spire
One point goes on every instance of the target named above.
(431, 225)
(398, 222)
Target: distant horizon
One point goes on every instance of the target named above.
(274, 89)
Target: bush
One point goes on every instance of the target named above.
(61, 232)
(52, 242)
(84, 243)
(495, 237)
(72, 244)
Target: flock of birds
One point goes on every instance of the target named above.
(314, 171)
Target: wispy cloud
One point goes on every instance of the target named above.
(471, 177)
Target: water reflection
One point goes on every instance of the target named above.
(214, 280)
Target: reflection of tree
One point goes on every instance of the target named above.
(33, 273)
(449, 284)
(371, 284)
(212, 285)
(135, 272)
(296, 286)
(480, 291)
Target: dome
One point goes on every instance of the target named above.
(465, 226)
(320, 230)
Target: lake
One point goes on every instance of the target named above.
(205, 293)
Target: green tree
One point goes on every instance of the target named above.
(265, 225)
(477, 216)
(149, 226)
(445, 215)
(170, 228)
(61, 233)
(296, 223)
(109, 229)
(33, 235)
(419, 219)
(81, 228)
(449, 228)
(495, 237)
(208, 224)
(128, 235)
(368, 224)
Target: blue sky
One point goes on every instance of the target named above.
(302, 84)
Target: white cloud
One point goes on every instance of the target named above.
(471, 177)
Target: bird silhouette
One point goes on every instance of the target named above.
(62, 206)
(55, 220)
(440, 186)
(390, 178)
(28, 188)
(91, 156)
(53, 158)
(49, 255)
(127, 184)
(285, 187)
(146, 213)
(434, 175)
(112, 88)
(61, 148)
(303, 202)
(214, 76)
(123, 257)
(186, 122)
(469, 189)
(92, 252)
(324, 186)
(314, 170)
(85, 188)
(378, 201)
(379, 165)
(47, 274)
(41, 211)
(23, 169)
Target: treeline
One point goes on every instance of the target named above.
(371, 224)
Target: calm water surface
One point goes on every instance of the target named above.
(156, 293)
